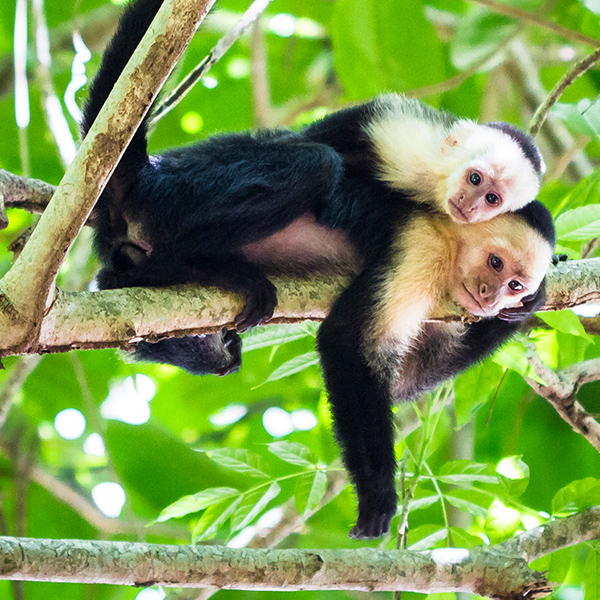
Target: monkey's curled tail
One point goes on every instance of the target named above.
(134, 23)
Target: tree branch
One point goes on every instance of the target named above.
(25, 289)
(121, 317)
(499, 571)
(534, 19)
(560, 390)
(179, 93)
(554, 535)
(557, 91)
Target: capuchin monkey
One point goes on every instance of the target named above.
(235, 208)
(469, 171)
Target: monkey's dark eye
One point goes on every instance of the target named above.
(515, 286)
(497, 264)
(475, 178)
(492, 199)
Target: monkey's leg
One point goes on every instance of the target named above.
(361, 405)
(219, 353)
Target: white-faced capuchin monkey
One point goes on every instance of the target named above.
(232, 209)
(470, 171)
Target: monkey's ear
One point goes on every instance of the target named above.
(450, 141)
(460, 132)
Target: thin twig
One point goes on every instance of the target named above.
(565, 81)
(534, 19)
(526, 75)
(177, 95)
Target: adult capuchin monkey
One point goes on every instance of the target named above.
(232, 209)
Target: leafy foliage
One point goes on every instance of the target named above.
(482, 460)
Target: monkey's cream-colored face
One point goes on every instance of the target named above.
(498, 263)
(491, 176)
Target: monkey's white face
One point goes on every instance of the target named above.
(498, 264)
(490, 176)
(479, 195)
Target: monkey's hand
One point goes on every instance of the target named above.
(374, 515)
(530, 304)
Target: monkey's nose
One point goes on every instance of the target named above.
(487, 294)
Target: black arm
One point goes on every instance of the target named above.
(359, 394)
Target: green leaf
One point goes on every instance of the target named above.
(566, 321)
(371, 57)
(295, 365)
(513, 474)
(591, 576)
(571, 115)
(424, 502)
(310, 489)
(429, 541)
(213, 519)
(240, 461)
(293, 453)
(512, 357)
(501, 522)
(196, 502)
(275, 335)
(474, 388)
(252, 504)
(463, 539)
(468, 507)
(467, 471)
(579, 224)
(586, 192)
(576, 496)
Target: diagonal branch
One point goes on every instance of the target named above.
(560, 390)
(535, 19)
(179, 93)
(582, 66)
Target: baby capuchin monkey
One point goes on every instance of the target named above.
(469, 171)
(392, 193)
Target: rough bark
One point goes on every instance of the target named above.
(499, 571)
(482, 571)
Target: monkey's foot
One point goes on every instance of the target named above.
(373, 526)
(260, 302)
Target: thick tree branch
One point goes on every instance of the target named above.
(554, 535)
(482, 571)
(499, 571)
(118, 318)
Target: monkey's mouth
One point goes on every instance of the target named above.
(456, 213)
(475, 302)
